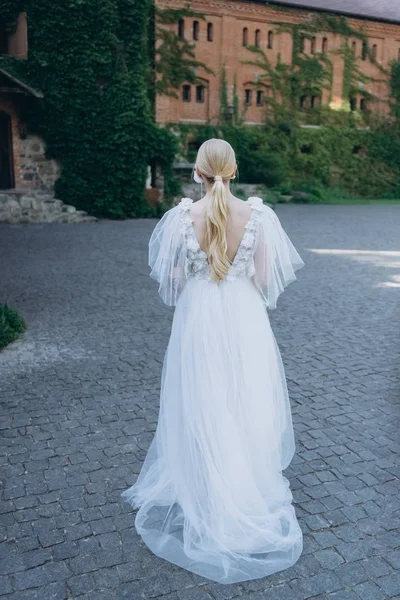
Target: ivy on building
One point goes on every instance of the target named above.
(292, 87)
(91, 61)
(175, 60)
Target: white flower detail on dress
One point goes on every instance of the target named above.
(186, 203)
(191, 245)
(256, 202)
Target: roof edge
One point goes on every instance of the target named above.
(21, 84)
(327, 10)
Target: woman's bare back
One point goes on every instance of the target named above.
(239, 214)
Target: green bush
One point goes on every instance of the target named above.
(11, 325)
(324, 162)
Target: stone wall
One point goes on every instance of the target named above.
(31, 167)
(33, 206)
(34, 167)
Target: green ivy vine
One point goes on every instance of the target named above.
(91, 61)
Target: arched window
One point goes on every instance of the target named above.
(186, 93)
(247, 97)
(257, 38)
(200, 93)
(374, 51)
(260, 98)
(354, 47)
(312, 45)
(324, 45)
(196, 30)
(181, 28)
(245, 37)
(364, 51)
(270, 39)
(210, 32)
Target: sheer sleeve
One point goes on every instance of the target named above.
(167, 256)
(275, 258)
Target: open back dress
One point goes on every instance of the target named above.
(211, 494)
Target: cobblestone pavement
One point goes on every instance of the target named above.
(80, 401)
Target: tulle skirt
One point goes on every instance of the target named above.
(211, 495)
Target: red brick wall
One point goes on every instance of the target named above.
(229, 18)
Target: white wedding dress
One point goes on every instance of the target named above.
(211, 494)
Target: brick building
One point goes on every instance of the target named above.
(23, 163)
(230, 26)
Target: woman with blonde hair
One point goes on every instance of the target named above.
(211, 494)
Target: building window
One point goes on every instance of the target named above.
(354, 48)
(247, 97)
(260, 98)
(200, 93)
(186, 93)
(302, 43)
(364, 51)
(181, 28)
(312, 45)
(353, 103)
(303, 101)
(245, 36)
(374, 51)
(257, 37)
(196, 30)
(210, 32)
(314, 101)
(398, 55)
(324, 45)
(363, 104)
(270, 39)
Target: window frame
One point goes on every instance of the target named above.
(202, 89)
(181, 29)
(196, 31)
(248, 97)
(186, 87)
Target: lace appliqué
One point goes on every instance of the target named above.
(196, 262)
(242, 265)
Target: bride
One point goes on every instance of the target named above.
(211, 494)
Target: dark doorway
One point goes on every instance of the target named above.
(6, 162)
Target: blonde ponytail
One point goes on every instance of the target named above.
(216, 162)
(216, 223)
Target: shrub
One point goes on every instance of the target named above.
(11, 325)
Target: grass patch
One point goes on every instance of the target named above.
(11, 325)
